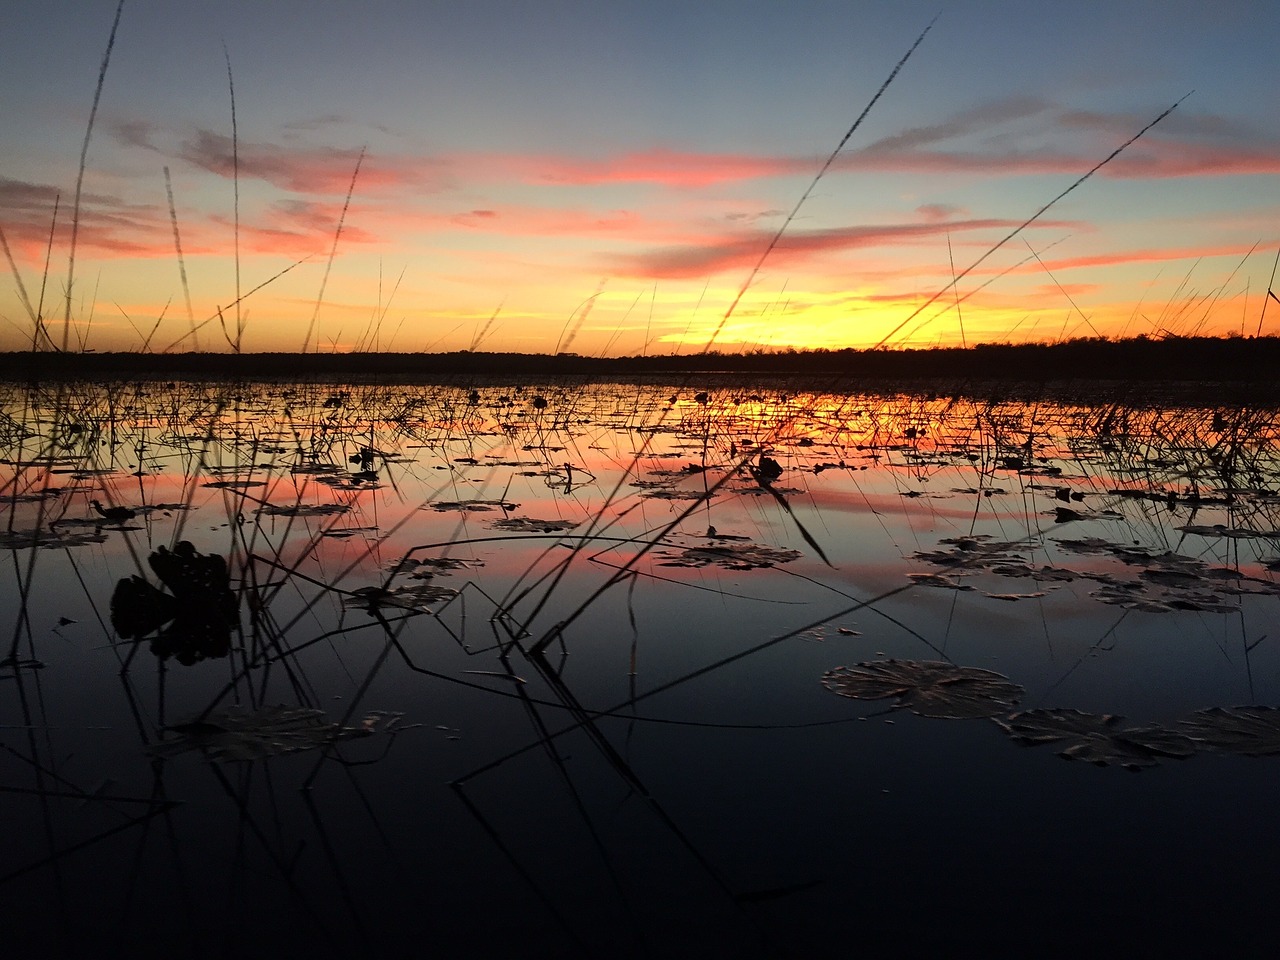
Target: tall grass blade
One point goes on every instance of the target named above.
(217, 315)
(777, 237)
(22, 289)
(1270, 291)
(333, 251)
(84, 158)
(44, 277)
(182, 264)
(1030, 220)
(235, 186)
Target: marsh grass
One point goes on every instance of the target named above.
(314, 494)
(398, 553)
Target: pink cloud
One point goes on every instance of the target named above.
(109, 227)
(1142, 255)
(666, 167)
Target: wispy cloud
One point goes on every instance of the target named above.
(742, 251)
(109, 226)
(673, 168)
(1009, 137)
(1060, 141)
(1140, 255)
(984, 119)
(323, 170)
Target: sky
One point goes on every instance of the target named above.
(635, 178)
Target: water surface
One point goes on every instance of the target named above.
(539, 668)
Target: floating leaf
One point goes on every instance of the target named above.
(744, 556)
(532, 525)
(417, 598)
(672, 493)
(1101, 739)
(1086, 545)
(937, 580)
(48, 539)
(243, 735)
(1252, 731)
(427, 567)
(235, 484)
(930, 688)
(304, 509)
(473, 506)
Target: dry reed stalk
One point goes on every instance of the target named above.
(182, 264)
(333, 251)
(813, 185)
(1030, 220)
(84, 159)
(235, 183)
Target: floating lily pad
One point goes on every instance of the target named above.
(304, 509)
(47, 539)
(533, 525)
(736, 556)
(235, 484)
(672, 493)
(473, 506)
(418, 598)
(236, 735)
(937, 580)
(930, 688)
(1101, 739)
(979, 550)
(425, 568)
(1252, 731)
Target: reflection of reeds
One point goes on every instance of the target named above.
(273, 469)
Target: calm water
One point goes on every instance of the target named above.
(539, 670)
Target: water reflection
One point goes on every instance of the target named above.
(542, 667)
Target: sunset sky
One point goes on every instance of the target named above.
(604, 177)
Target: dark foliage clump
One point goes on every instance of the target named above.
(193, 621)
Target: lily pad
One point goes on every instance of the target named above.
(938, 580)
(473, 506)
(1097, 738)
(744, 556)
(418, 598)
(1252, 731)
(236, 735)
(533, 525)
(929, 688)
(304, 509)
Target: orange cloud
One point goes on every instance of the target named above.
(666, 167)
(108, 226)
(1141, 255)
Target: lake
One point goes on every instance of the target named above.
(575, 668)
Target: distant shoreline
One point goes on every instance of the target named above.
(1244, 365)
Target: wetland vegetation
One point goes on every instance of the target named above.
(596, 668)
(753, 655)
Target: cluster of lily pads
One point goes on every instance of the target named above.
(935, 688)
(1166, 580)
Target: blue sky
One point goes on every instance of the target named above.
(614, 172)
